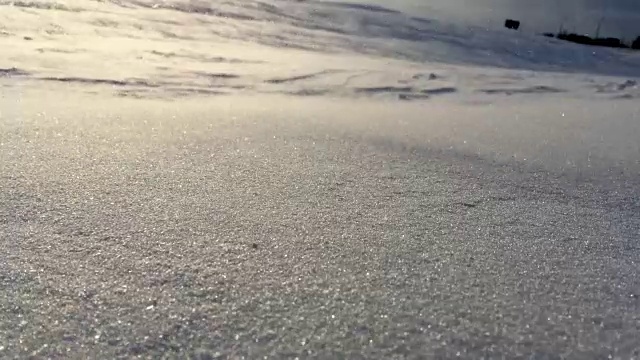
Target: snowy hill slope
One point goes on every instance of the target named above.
(291, 47)
(175, 49)
(317, 25)
(320, 26)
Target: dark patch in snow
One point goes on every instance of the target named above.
(410, 97)
(406, 92)
(625, 97)
(59, 51)
(193, 91)
(298, 77)
(105, 23)
(172, 35)
(167, 93)
(308, 92)
(209, 59)
(49, 5)
(384, 89)
(427, 93)
(430, 76)
(217, 75)
(439, 91)
(539, 89)
(9, 72)
(364, 7)
(613, 87)
(80, 80)
(469, 205)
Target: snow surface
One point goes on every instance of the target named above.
(300, 178)
(489, 85)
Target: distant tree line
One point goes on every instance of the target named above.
(583, 39)
(598, 41)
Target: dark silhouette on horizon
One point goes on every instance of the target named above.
(610, 42)
(512, 24)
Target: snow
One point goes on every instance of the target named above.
(288, 148)
(480, 87)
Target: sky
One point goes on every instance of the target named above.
(621, 18)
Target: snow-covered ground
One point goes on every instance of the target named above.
(305, 178)
(173, 49)
(308, 47)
